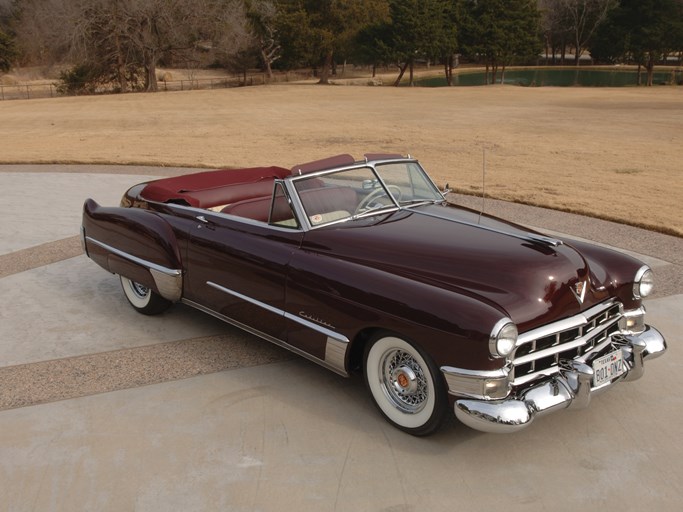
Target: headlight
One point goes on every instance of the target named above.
(503, 338)
(643, 283)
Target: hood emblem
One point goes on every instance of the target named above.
(579, 290)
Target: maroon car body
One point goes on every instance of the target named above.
(363, 265)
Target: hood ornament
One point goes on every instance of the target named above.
(579, 290)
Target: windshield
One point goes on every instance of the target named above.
(408, 183)
(358, 192)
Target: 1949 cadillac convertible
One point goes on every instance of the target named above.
(363, 266)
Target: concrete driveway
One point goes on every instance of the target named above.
(104, 409)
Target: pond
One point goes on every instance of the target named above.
(539, 77)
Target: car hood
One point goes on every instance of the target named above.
(529, 277)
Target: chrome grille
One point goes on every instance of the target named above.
(540, 350)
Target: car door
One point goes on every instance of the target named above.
(237, 270)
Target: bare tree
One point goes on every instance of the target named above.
(262, 16)
(584, 17)
(121, 39)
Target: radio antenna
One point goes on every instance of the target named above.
(483, 182)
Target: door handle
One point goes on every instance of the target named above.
(203, 221)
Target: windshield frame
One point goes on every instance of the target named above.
(380, 184)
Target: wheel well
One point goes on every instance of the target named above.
(358, 348)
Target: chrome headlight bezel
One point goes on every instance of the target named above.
(643, 282)
(503, 338)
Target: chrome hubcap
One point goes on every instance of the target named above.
(139, 290)
(403, 381)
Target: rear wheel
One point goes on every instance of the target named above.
(403, 383)
(143, 299)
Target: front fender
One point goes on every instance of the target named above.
(453, 328)
(137, 244)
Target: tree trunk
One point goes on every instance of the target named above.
(448, 69)
(120, 66)
(412, 73)
(546, 51)
(266, 63)
(151, 77)
(325, 71)
(650, 68)
(402, 70)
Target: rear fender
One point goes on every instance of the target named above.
(135, 243)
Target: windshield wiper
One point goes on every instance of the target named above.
(415, 202)
(373, 210)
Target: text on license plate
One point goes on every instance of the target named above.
(608, 367)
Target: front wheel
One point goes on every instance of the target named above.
(143, 300)
(403, 383)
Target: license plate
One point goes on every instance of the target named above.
(608, 367)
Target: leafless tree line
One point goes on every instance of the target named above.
(571, 24)
(124, 41)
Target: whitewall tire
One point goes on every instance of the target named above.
(404, 384)
(143, 299)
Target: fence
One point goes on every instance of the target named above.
(50, 90)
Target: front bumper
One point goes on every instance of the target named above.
(570, 387)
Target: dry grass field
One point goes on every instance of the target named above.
(612, 153)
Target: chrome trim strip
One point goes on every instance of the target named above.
(565, 324)
(528, 237)
(243, 220)
(276, 341)
(83, 245)
(335, 354)
(307, 323)
(563, 347)
(263, 305)
(135, 259)
(169, 281)
(311, 325)
(170, 286)
(524, 379)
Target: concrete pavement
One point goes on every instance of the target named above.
(105, 409)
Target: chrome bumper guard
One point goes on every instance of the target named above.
(571, 387)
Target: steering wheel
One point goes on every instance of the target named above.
(365, 203)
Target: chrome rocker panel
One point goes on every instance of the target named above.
(571, 387)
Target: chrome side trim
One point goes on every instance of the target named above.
(168, 280)
(311, 325)
(83, 244)
(170, 286)
(335, 355)
(263, 305)
(307, 323)
(528, 237)
(330, 365)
